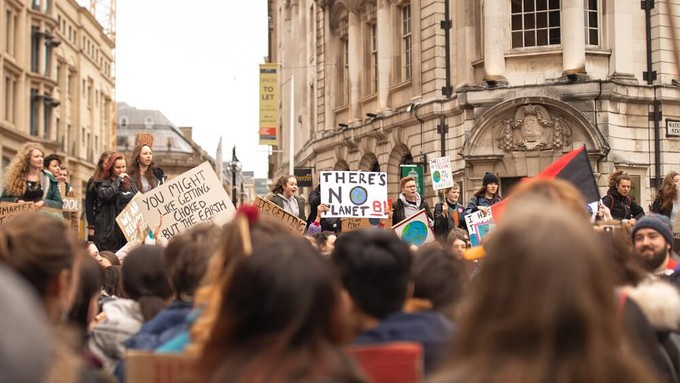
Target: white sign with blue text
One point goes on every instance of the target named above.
(354, 194)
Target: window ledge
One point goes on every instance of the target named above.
(401, 85)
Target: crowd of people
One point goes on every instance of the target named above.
(552, 295)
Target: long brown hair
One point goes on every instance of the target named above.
(135, 171)
(281, 320)
(618, 176)
(99, 169)
(280, 183)
(238, 237)
(668, 191)
(108, 169)
(18, 168)
(543, 308)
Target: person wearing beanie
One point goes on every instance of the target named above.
(486, 196)
(653, 240)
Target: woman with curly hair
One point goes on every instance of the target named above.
(667, 196)
(619, 201)
(142, 169)
(113, 192)
(27, 181)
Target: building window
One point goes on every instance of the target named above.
(374, 58)
(35, 111)
(47, 57)
(535, 23)
(592, 23)
(36, 5)
(47, 118)
(35, 50)
(343, 88)
(10, 31)
(10, 97)
(407, 42)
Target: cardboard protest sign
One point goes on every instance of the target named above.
(479, 225)
(349, 224)
(128, 218)
(193, 197)
(414, 230)
(144, 366)
(354, 194)
(440, 170)
(9, 210)
(71, 205)
(270, 208)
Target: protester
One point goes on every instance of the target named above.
(51, 267)
(147, 290)
(375, 267)
(296, 336)
(91, 193)
(486, 196)
(248, 230)
(643, 300)
(327, 224)
(448, 214)
(438, 281)
(558, 321)
(409, 202)
(24, 339)
(27, 181)
(113, 192)
(186, 261)
(283, 195)
(618, 200)
(57, 168)
(86, 302)
(666, 199)
(146, 175)
(325, 242)
(653, 240)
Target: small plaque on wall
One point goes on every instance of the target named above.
(672, 128)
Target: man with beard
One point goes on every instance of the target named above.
(653, 240)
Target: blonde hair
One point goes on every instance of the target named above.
(17, 170)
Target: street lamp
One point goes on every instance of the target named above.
(235, 165)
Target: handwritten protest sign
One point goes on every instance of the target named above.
(9, 210)
(193, 197)
(440, 170)
(349, 224)
(270, 208)
(71, 205)
(355, 194)
(479, 225)
(128, 218)
(414, 230)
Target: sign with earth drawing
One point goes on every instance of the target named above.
(440, 170)
(414, 230)
(354, 194)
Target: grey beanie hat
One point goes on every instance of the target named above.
(657, 222)
(490, 178)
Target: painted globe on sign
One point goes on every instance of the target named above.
(414, 233)
(436, 176)
(358, 195)
(374, 221)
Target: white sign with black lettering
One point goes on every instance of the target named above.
(672, 128)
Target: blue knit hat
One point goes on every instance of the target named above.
(657, 222)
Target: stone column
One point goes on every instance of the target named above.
(354, 47)
(495, 31)
(573, 38)
(620, 21)
(384, 55)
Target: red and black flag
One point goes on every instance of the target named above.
(573, 167)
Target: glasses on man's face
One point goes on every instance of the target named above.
(410, 186)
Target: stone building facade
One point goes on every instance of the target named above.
(56, 68)
(527, 81)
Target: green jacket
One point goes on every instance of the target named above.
(50, 188)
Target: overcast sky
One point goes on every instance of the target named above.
(196, 62)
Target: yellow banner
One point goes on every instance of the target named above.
(269, 104)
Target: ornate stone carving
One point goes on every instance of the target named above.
(533, 129)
